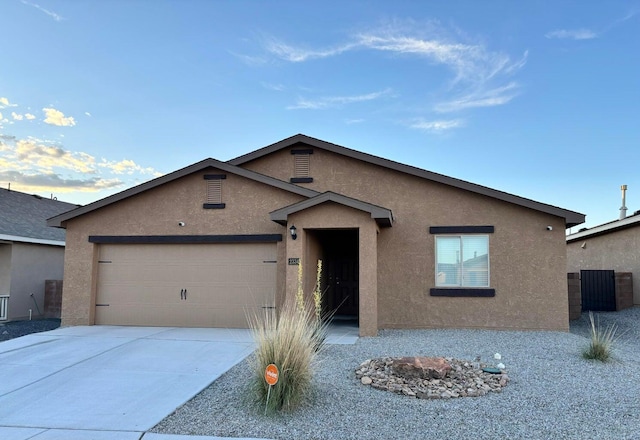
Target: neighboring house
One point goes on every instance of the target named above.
(30, 252)
(210, 243)
(610, 246)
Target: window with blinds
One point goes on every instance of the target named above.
(213, 196)
(301, 166)
(462, 261)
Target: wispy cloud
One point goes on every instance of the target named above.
(470, 61)
(354, 121)
(56, 117)
(51, 14)
(480, 98)
(296, 54)
(479, 77)
(438, 126)
(588, 34)
(335, 101)
(572, 34)
(251, 60)
(274, 87)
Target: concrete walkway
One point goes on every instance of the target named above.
(108, 383)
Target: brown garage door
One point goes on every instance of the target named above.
(193, 285)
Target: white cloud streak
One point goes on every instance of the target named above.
(572, 34)
(479, 74)
(51, 14)
(297, 55)
(335, 101)
(438, 126)
(588, 34)
(483, 98)
(274, 87)
(470, 61)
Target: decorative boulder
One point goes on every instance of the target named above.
(421, 367)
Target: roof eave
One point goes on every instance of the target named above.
(59, 220)
(382, 216)
(607, 228)
(572, 218)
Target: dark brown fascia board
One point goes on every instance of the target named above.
(572, 218)
(382, 216)
(58, 220)
(605, 228)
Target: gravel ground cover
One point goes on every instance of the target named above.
(15, 329)
(553, 394)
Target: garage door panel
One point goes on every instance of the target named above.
(142, 284)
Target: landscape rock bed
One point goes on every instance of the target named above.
(464, 379)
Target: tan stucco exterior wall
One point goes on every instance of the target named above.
(617, 250)
(25, 267)
(157, 212)
(527, 262)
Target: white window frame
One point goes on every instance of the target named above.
(461, 285)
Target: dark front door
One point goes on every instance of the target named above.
(342, 279)
(598, 290)
(340, 254)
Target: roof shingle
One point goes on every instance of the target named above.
(25, 215)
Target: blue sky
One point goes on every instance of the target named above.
(535, 98)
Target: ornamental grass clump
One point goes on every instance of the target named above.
(291, 340)
(602, 340)
(288, 342)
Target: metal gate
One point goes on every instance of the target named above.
(598, 290)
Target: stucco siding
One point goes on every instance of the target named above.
(158, 212)
(527, 261)
(617, 250)
(396, 264)
(5, 268)
(31, 266)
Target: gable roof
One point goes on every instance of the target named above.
(382, 216)
(572, 218)
(606, 228)
(58, 220)
(23, 218)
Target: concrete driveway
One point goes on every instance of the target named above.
(104, 382)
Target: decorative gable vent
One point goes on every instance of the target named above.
(301, 166)
(214, 191)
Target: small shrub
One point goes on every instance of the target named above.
(602, 340)
(289, 341)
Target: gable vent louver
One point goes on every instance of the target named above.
(214, 191)
(213, 198)
(301, 166)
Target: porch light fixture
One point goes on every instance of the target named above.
(294, 232)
